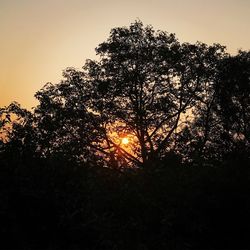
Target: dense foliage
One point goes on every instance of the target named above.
(182, 182)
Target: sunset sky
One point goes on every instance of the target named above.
(41, 38)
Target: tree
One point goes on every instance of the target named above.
(221, 124)
(17, 132)
(145, 86)
(66, 125)
(233, 96)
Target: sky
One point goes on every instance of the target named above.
(39, 39)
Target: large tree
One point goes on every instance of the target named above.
(145, 86)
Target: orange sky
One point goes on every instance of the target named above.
(41, 38)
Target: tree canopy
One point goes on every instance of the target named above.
(163, 95)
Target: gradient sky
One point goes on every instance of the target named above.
(38, 39)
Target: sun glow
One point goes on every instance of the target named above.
(125, 140)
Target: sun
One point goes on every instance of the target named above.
(125, 140)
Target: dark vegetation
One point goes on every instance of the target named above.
(183, 181)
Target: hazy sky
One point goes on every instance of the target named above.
(38, 39)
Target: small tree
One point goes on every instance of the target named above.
(66, 125)
(17, 132)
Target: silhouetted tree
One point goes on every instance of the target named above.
(65, 123)
(191, 99)
(145, 86)
(18, 131)
(233, 97)
(221, 123)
